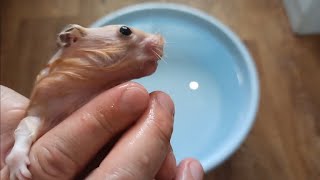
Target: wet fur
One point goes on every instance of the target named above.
(90, 60)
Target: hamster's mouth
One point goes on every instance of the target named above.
(157, 52)
(155, 46)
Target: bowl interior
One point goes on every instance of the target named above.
(207, 72)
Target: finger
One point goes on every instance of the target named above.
(140, 152)
(12, 110)
(67, 148)
(11, 100)
(4, 173)
(168, 168)
(190, 169)
(24, 171)
(12, 107)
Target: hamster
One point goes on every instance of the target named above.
(88, 61)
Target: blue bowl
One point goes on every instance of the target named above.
(208, 73)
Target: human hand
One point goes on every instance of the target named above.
(142, 152)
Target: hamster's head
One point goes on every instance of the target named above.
(113, 46)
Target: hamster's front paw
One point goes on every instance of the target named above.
(17, 162)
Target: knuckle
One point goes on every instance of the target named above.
(135, 84)
(121, 173)
(53, 162)
(99, 119)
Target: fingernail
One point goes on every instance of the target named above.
(131, 99)
(196, 170)
(165, 101)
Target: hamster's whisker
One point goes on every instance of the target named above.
(156, 47)
(157, 50)
(161, 58)
(157, 31)
(164, 61)
(156, 54)
(170, 42)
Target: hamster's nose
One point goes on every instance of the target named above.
(155, 43)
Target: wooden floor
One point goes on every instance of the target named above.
(284, 143)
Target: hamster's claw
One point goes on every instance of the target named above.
(17, 163)
(21, 174)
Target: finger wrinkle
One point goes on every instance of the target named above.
(41, 164)
(53, 160)
(66, 153)
(117, 173)
(18, 110)
(124, 172)
(98, 120)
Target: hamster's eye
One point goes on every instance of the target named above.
(125, 30)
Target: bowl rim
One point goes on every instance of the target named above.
(229, 147)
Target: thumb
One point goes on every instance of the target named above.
(65, 150)
(190, 169)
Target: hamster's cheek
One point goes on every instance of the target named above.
(149, 68)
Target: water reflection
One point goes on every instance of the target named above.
(194, 85)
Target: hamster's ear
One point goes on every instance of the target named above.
(70, 34)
